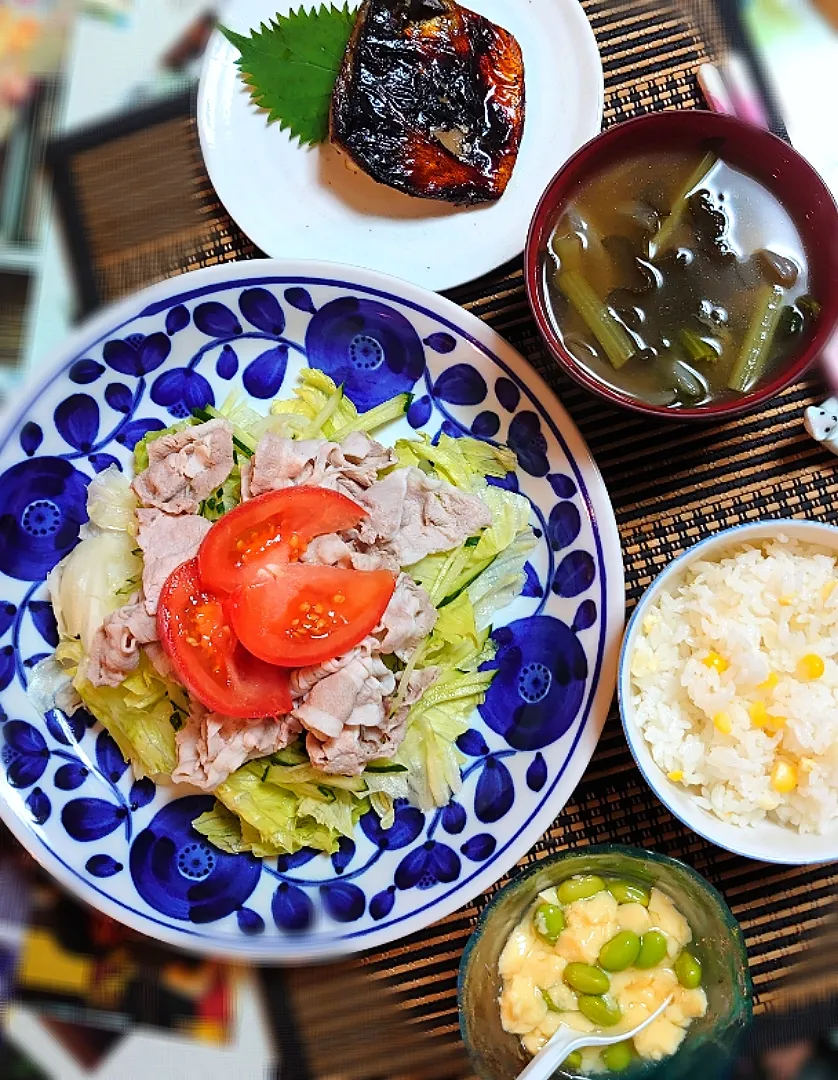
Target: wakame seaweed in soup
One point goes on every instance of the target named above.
(678, 279)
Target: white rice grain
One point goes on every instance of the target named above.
(761, 608)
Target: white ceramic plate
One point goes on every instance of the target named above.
(768, 842)
(306, 204)
(129, 848)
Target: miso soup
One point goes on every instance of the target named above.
(679, 280)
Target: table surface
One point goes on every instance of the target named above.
(670, 486)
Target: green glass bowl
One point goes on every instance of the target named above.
(717, 942)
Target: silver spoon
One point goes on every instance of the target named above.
(566, 1040)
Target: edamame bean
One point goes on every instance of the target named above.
(586, 979)
(620, 952)
(626, 892)
(618, 1057)
(652, 950)
(580, 888)
(602, 1011)
(548, 922)
(573, 1061)
(688, 970)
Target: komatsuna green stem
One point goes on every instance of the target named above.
(615, 340)
(756, 348)
(668, 227)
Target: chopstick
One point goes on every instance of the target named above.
(729, 89)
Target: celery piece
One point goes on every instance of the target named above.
(756, 347)
(667, 228)
(697, 348)
(603, 324)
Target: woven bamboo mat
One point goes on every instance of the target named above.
(670, 486)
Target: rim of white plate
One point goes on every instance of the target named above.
(325, 947)
(771, 843)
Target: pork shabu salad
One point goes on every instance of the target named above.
(290, 614)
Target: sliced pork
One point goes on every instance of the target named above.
(353, 695)
(412, 515)
(409, 618)
(166, 542)
(347, 753)
(348, 467)
(115, 652)
(211, 747)
(335, 550)
(186, 467)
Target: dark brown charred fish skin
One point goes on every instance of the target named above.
(430, 100)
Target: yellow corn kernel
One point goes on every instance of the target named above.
(776, 722)
(810, 667)
(783, 777)
(723, 723)
(714, 660)
(758, 714)
(806, 764)
(769, 684)
(675, 776)
(785, 601)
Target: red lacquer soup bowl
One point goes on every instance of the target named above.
(772, 162)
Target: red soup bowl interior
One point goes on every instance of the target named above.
(754, 151)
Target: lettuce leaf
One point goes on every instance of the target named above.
(222, 828)
(140, 714)
(283, 819)
(320, 401)
(434, 724)
(464, 462)
(502, 581)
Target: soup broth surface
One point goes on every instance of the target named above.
(704, 285)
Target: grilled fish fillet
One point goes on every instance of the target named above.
(430, 100)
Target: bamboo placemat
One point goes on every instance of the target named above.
(670, 486)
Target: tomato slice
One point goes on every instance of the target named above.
(298, 615)
(196, 634)
(271, 529)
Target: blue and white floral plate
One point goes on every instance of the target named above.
(128, 848)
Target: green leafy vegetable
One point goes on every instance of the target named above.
(503, 581)
(434, 724)
(670, 223)
(465, 462)
(319, 407)
(138, 713)
(616, 342)
(756, 348)
(291, 65)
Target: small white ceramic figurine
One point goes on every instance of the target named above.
(822, 423)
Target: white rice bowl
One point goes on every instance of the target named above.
(760, 597)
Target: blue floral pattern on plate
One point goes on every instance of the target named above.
(128, 846)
